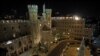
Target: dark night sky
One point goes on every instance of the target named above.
(82, 7)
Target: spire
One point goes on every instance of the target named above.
(44, 8)
(44, 14)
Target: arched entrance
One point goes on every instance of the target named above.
(3, 51)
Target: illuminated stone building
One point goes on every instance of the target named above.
(15, 36)
(18, 36)
(46, 33)
(72, 28)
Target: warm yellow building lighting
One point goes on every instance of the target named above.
(9, 42)
(78, 48)
(76, 18)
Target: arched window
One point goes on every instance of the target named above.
(12, 27)
(19, 43)
(5, 28)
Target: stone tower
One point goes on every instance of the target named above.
(33, 15)
(35, 30)
(48, 16)
(33, 10)
(44, 14)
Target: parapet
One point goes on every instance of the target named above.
(13, 21)
(67, 18)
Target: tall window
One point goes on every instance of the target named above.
(12, 28)
(5, 28)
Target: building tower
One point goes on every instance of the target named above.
(33, 10)
(48, 17)
(44, 14)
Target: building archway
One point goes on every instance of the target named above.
(3, 51)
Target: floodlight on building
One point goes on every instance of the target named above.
(55, 39)
(7, 21)
(76, 17)
(3, 21)
(40, 25)
(66, 17)
(68, 33)
(78, 48)
(15, 21)
(14, 35)
(9, 42)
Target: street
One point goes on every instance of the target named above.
(58, 49)
(27, 53)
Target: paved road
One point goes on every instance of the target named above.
(58, 49)
(27, 53)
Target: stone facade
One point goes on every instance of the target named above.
(71, 28)
(18, 36)
(12, 29)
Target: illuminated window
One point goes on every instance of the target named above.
(11, 21)
(18, 20)
(66, 17)
(15, 21)
(7, 21)
(3, 21)
(14, 35)
(21, 20)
